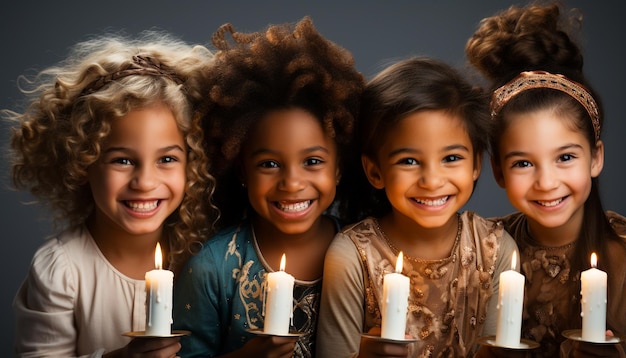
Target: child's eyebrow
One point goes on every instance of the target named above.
(129, 150)
(305, 150)
(569, 146)
(413, 150)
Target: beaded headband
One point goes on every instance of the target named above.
(141, 65)
(541, 79)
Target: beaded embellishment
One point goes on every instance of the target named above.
(542, 79)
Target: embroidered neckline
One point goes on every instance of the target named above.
(396, 251)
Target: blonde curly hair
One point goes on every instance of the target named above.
(61, 131)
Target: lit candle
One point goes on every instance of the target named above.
(593, 283)
(510, 302)
(159, 284)
(395, 303)
(278, 305)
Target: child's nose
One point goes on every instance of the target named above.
(291, 180)
(430, 178)
(546, 179)
(144, 178)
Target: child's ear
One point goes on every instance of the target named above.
(597, 160)
(478, 162)
(497, 172)
(337, 176)
(372, 172)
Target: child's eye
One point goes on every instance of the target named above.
(407, 161)
(122, 161)
(566, 157)
(521, 164)
(313, 161)
(268, 164)
(452, 158)
(168, 159)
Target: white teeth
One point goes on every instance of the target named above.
(550, 203)
(437, 202)
(294, 207)
(142, 205)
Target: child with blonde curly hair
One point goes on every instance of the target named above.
(109, 142)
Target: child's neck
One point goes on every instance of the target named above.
(555, 236)
(132, 255)
(415, 241)
(304, 251)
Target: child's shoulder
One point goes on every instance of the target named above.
(71, 243)
(477, 224)
(368, 224)
(227, 240)
(618, 222)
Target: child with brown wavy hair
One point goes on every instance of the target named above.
(421, 135)
(108, 141)
(548, 154)
(279, 120)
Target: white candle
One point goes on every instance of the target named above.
(159, 285)
(510, 302)
(278, 305)
(593, 283)
(395, 303)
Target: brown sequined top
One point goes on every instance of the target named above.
(552, 296)
(449, 299)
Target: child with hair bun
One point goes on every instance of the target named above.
(548, 154)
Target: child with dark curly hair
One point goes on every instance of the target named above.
(109, 142)
(279, 120)
(548, 154)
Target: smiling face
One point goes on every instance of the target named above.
(290, 170)
(427, 167)
(139, 179)
(546, 166)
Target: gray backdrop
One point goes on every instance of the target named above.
(35, 34)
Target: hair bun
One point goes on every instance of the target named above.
(522, 39)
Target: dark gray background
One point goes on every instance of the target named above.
(35, 34)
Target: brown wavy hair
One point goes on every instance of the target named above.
(286, 66)
(61, 131)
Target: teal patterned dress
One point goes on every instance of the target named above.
(219, 297)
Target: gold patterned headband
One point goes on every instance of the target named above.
(141, 65)
(541, 79)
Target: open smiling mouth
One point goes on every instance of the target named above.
(435, 202)
(550, 203)
(142, 206)
(294, 207)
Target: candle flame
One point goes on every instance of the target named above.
(399, 263)
(282, 263)
(594, 260)
(158, 257)
(513, 260)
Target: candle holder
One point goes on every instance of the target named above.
(525, 344)
(260, 332)
(577, 335)
(389, 340)
(142, 334)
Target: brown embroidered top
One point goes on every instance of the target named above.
(449, 303)
(552, 295)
